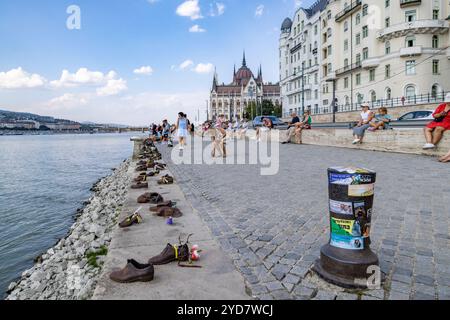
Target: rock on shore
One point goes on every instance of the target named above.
(70, 269)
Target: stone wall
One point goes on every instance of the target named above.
(354, 115)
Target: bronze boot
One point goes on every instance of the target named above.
(133, 272)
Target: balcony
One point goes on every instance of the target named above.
(296, 48)
(415, 27)
(353, 7)
(330, 76)
(349, 68)
(411, 51)
(370, 63)
(408, 3)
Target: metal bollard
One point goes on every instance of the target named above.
(347, 259)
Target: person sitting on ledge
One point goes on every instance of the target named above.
(363, 124)
(291, 128)
(267, 125)
(441, 123)
(382, 120)
(305, 124)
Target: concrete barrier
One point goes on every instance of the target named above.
(138, 142)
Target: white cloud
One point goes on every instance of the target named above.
(68, 100)
(216, 9)
(152, 1)
(298, 3)
(190, 8)
(186, 64)
(112, 87)
(220, 8)
(82, 77)
(204, 68)
(196, 29)
(144, 70)
(19, 78)
(259, 10)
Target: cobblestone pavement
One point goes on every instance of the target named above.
(273, 226)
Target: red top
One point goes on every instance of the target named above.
(445, 123)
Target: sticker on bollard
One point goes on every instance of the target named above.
(347, 257)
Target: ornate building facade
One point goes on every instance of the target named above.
(384, 52)
(232, 99)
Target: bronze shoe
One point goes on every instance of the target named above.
(170, 254)
(140, 185)
(169, 212)
(129, 221)
(134, 272)
(167, 204)
(153, 198)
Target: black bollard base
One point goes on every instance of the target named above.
(346, 268)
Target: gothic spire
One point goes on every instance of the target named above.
(244, 61)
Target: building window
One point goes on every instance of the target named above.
(436, 14)
(359, 98)
(345, 45)
(411, 67)
(387, 73)
(387, 47)
(435, 42)
(365, 31)
(358, 58)
(388, 94)
(358, 19)
(330, 50)
(345, 26)
(372, 75)
(410, 41)
(410, 15)
(365, 53)
(387, 22)
(346, 83)
(373, 96)
(365, 10)
(358, 39)
(329, 33)
(345, 62)
(358, 79)
(410, 91)
(387, 3)
(435, 67)
(435, 91)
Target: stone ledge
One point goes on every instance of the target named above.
(396, 140)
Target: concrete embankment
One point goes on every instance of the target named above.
(217, 279)
(70, 269)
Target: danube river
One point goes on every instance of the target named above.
(43, 181)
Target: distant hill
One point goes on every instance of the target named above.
(12, 115)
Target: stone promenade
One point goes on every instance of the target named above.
(273, 226)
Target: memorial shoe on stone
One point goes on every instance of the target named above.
(166, 180)
(134, 272)
(140, 185)
(150, 197)
(167, 212)
(166, 204)
(130, 220)
(170, 254)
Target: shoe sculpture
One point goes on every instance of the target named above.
(134, 272)
(150, 197)
(140, 185)
(167, 212)
(135, 218)
(166, 180)
(166, 204)
(170, 254)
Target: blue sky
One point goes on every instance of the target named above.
(132, 61)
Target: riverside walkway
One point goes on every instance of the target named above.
(273, 226)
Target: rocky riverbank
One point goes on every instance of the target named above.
(69, 270)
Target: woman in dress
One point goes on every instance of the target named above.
(435, 130)
(363, 124)
(182, 129)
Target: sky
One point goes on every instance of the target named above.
(131, 62)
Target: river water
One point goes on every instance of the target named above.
(43, 181)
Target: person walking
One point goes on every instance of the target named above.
(182, 129)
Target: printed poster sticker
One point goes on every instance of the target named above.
(338, 207)
(352, 170)
(362, 190)
(347, 242)
(345, 227)
(349, 179)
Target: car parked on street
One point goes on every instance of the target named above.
(417, 115)
(277, 122)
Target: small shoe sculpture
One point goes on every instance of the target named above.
(150, 197)
(135, 218)
(167, 204)
(141, 168)
(134, 272)
(170, 254)
(166, 180)
(167, 212)
(140, 185)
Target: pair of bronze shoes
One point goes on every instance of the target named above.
(141, 177)
(150, 197)
(140, 185)
(166, 210)
(166, 180)
(131, 220)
